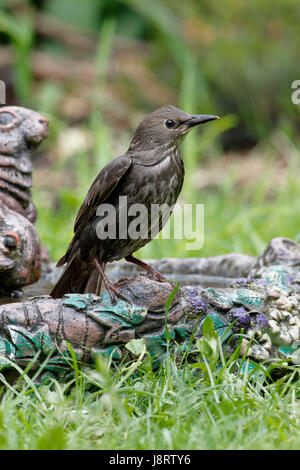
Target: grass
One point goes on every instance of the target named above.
(111, 407)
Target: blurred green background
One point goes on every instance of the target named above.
(95, 67)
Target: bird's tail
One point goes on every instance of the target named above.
(94, 283)
(77, 277)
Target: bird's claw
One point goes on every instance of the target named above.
(116, 295)
(156, 276)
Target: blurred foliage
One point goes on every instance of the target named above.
(246, 54)
(234, 59)
(20, 33)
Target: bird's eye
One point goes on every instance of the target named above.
(10, 242)
(169, 123)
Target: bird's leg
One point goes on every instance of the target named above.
(99, 281)
(151, 271)
(113, 292)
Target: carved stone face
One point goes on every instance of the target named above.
(21, 130)
(20, 257)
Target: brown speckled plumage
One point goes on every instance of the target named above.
(150, 172)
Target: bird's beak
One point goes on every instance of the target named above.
(200, 119)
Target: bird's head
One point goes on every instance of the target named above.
(164, 127)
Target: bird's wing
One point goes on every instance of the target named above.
(101, 188)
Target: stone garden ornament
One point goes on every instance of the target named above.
(259, 313)
(21, 131)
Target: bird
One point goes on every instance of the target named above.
(151, 172)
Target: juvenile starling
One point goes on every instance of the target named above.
(150, 172)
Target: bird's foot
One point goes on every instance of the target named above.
(155, 275)
(111, 289)
(114, 293)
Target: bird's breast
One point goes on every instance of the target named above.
(162, 165)
(147, 185)
(159, 183)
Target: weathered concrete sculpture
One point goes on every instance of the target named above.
(21, 130)
(20, 257)
(265, 308)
